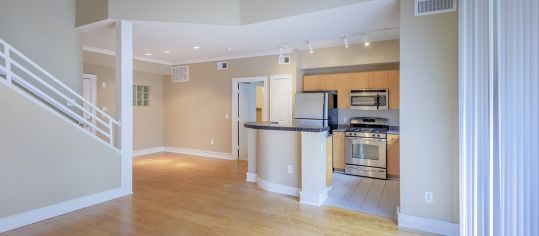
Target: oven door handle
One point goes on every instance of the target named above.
(356, 140)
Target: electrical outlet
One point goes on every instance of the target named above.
(290, 169)
(429, 197)
(226, 117)
(345, 119)
(103, 84)
(104, 108)
(212, 142)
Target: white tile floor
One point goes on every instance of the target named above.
(371, 196)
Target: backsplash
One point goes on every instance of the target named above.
(391, 114)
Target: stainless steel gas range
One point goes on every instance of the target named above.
(365, 147)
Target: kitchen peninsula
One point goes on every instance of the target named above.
(288, 159)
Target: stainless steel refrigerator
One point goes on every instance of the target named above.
(317, 109)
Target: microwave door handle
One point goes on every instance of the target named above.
(377, 101)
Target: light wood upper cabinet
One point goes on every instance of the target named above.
(394, 89)
(358, 81)
(346, 82)
(378, 79)
(338, 151)
(311, 83)
(320, 82)
(393, 155)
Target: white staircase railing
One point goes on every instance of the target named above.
(19, 72)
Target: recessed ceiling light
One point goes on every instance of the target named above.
(166, 51)
(196, 47)
(148, 54)
(228, 48)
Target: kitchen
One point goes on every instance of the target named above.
(359, 110)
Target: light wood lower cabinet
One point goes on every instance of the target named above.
(329, 160)
(338, 151)
(393, 156)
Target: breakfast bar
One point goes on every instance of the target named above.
(288, 159)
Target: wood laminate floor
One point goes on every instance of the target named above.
(182, 195)
(367, 195)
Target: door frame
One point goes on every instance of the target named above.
(93, 79)
(235, 99)
(292, 98)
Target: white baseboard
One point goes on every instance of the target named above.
(251, 177)
(427, 225)
(33, 216)
(314, 199)
(277, 188)
(148, 151)
(201, 153)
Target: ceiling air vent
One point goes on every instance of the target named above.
(284, 60)
(429, 7)
(180, 74)
(222, 65)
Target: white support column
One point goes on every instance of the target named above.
(124, 98)
(313, 168)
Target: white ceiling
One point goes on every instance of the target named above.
(323, 29)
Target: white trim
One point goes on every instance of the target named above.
(200, 153)
(33, 216)
(277, 188)
(312, 199)
(148, 151)
(235, 98)
(138, 58)
(93, 100)
(251, 177)
(55, 113)
(427, 225)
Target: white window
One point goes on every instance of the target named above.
(141, 95)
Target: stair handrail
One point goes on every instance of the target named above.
(10, 75)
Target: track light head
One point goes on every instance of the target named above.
(311, 51)
(345, 40)
(366, 42)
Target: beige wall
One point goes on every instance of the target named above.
(253, 11)
(90, 11)
(46, 160)
(377, 52)
(223, 12)
(45, 32)
(429, 114)
(195, 110)
(147, 121)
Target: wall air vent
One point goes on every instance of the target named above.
(429, 7)
(222, 65)
(180, 74)
(285, 59)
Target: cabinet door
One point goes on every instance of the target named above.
(329, 160)
(328, 82)
(394, 89)
(379, 79)
(311, 83)
(343, 91)
(338, 151)
(393, 155)
(358, 81)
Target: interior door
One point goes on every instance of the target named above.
(281, 99)
(90, 94)
(246, 113)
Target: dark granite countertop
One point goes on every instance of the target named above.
(393, 130)
(284, 127)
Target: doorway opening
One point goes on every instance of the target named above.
(249, 104)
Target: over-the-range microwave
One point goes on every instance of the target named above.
(369, 99)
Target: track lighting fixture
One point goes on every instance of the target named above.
(345, 39)
(365, 41)
(281, 51)
(311, 51)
